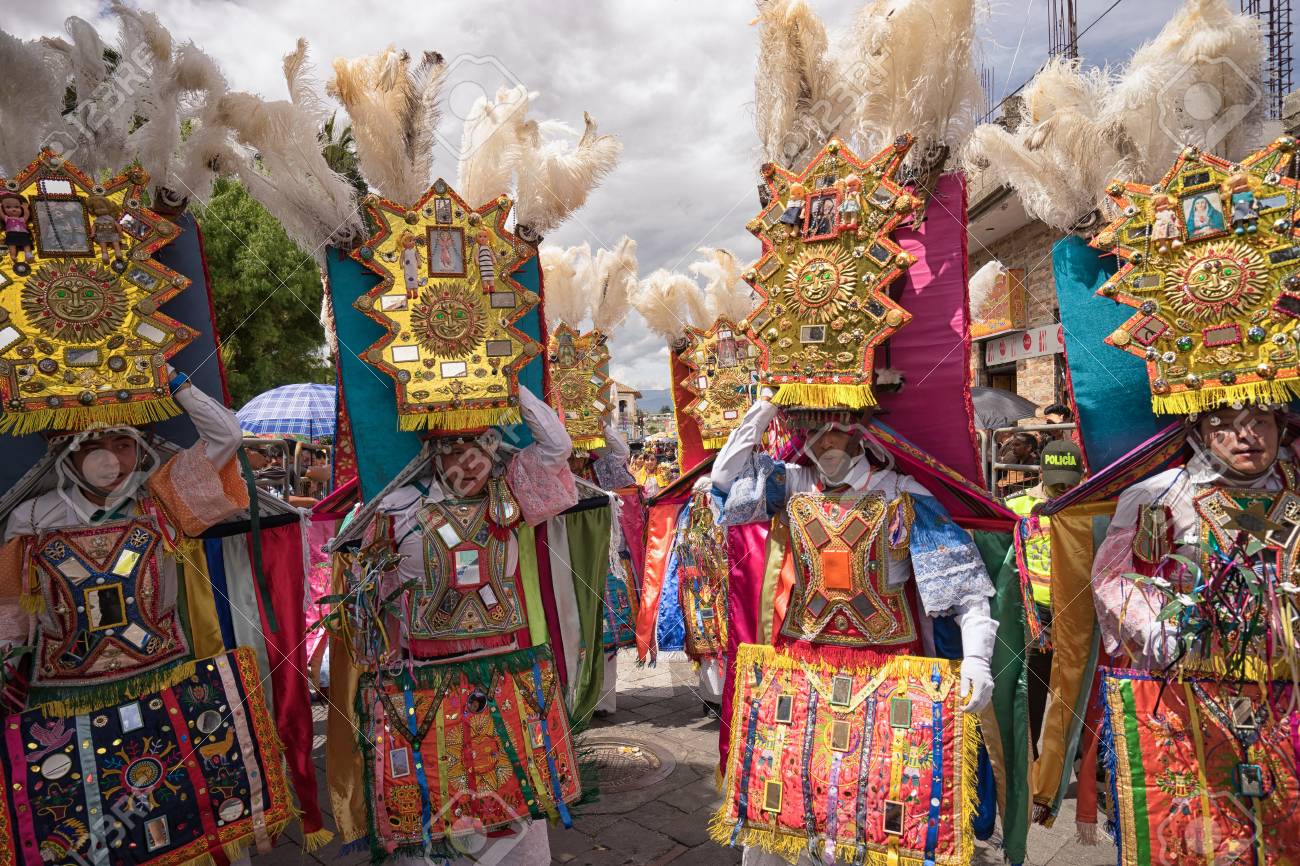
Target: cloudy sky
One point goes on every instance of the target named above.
(673, 79)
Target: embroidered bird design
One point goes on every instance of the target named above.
(215, 750)
(52, 736)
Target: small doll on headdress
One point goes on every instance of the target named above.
(1165, 230)
(1245, 210)
(18, 231)
(104, 228)
(850, 189)
(794, 207)
(486, 266)
(410, 265)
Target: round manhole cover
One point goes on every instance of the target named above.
(628, 765)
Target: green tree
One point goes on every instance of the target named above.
(267, 294)
(339, 148)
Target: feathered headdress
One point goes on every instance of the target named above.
(670, 303)
(614, 275)
(564, 273)
(725, 289)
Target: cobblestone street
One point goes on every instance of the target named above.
(658, 754)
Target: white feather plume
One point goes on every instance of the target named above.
(554, 176)
(909, 66)
(31, 100)
(1063, 151)
(1197, 82)
(725, 291)
(799, 100)
(614, 277)
(669, 302)
(97, 142)
(982, 284)
(393, 108)
(313, 203)
(300, 78)
(563, 270)
(490, 133)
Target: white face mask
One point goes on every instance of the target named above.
(100, 468)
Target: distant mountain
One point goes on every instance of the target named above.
(653, 401)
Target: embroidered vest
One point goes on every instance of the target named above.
(470, 591)
(110, 604)
(841, 594)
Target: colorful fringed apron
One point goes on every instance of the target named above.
(192, 772)
(619, 610)
(463, 748)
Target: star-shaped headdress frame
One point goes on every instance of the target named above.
(82, 342)
(1210, 266)
(580, 383)
(450, 308)
(721, 369)
(824, 276)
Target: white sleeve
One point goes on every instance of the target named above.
(552, 441)
(742, 442)
(615, 444)
(217, 426)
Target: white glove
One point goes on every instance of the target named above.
(1160, 644)
(978, 632)
(976, 681)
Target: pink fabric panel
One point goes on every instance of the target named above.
(319, 531)
(747, 553)
(933, 350)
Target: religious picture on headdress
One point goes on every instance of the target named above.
(442, 210)
(822, 209)
(446, 252)
(61, 227)
(1203, 215)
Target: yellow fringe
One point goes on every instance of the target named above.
(32, 602)
(1216, 396)
(97, 697)
(818, 396)
(317, 839)
(133, 414)
(234, 850)
(713, 443)
(458, 419)
(589, 442)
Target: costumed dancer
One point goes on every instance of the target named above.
(129, 674)
(1195, 584)
(466, 683)
(712, 368)
(849, 740)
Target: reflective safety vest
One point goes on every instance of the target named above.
(1038, 548)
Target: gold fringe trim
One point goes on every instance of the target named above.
(818, 396)
(1214, 397)
(458, 419)
(32, 602)
(713, 443)
(317, 839)
(132, 414)
(234, 850)
(97, 697)
(589, 442)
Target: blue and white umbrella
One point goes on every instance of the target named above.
(305, 410)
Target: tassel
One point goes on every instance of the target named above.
(78, 700)
(714, 443)
(1087, 832)
(819, 396)
(588, 442)
(32, 602)
(131, 414)
(317, 839)
(459, 420)
(1187, 402)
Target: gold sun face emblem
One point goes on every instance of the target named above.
(78, 301)
(1224, 279)
(820, 283)
(449, 322)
